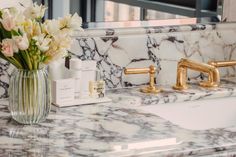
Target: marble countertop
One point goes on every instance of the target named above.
(112, 129)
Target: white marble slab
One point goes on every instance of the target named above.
(118, 128)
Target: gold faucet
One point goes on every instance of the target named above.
(219, 64)
(184, 64)
(151, 70)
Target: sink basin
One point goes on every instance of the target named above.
(197, 115)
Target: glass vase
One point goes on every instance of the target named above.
(29, 95)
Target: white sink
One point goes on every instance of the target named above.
(197, 115)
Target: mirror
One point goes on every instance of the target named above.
(17, 3)
(132, 13)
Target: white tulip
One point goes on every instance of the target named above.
(76, 22)
(55, 54)
(35, 11)
(22, 42)
(8, 21)
(18, 15)
(42, 42)
(61, 41)
(71, 22)
(8, 47)
(51, 27)
(31, 28)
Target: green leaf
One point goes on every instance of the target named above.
(13, 61)
(15, 33)
(19, 57)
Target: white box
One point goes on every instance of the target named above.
(63, 90)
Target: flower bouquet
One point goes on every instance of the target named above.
(30, 44)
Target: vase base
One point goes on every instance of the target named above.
(29, 120)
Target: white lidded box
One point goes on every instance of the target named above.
(63, 91)
(81, 87)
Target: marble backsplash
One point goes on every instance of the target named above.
(116, 49)
(159, 46)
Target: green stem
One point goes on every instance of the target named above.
(21, 60)
(21, 104)
(14, 62)
(26, 57)
(35, 91)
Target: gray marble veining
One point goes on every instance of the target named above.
(162, 47)
(116, 49)
(108, 129)
(5, 71)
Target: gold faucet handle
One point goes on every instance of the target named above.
(151, 71)
(139, 70)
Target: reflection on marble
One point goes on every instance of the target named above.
(112, 129)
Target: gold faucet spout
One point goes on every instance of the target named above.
(184, 64)
(219, 64)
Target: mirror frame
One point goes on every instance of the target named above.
(87, 10)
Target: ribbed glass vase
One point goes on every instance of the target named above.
(29, 96)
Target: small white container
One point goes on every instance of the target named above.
(75, 72)
(63, 91)
(88, 74)
(56, 74)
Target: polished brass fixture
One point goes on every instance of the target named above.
(219, 64)
(151, 70)
(184, 64)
